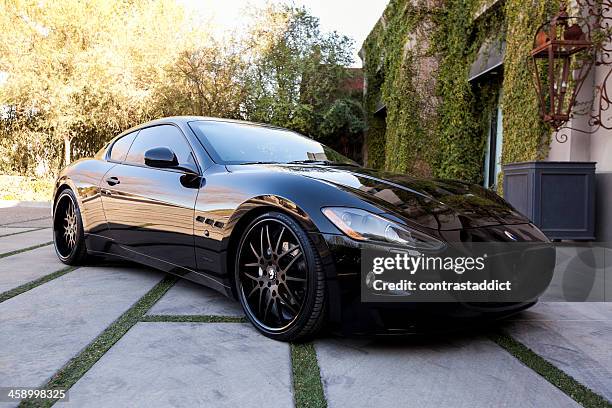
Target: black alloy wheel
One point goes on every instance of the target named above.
(68, 236)
(279, 278)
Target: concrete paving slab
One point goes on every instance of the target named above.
(25, 204)
(16, 214)
(45, 327)
(575, 337)
(455, 372)
(27, 239)
(579, 275)
(189, 365)
(36, 223)
(569, 311)
(608, 274)
(25, 267)
(187, 298)
(15, 230)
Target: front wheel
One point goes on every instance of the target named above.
(68, 235)
(279, 279)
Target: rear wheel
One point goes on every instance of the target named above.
(68, 235)
(279, 279)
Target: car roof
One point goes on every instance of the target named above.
(186, 119)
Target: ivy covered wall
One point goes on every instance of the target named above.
(526, 138)
(417, 61)
(399, 141)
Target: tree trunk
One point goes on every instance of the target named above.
(67, 150)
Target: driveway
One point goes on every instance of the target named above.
(116, 334)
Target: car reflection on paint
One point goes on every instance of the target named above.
(270, 217)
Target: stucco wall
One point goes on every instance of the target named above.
(595, 147)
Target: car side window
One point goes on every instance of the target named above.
(162, 136)
(121, 146)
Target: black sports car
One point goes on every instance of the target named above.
(272, 218)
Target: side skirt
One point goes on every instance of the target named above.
(104, 246)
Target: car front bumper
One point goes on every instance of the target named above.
(350, 315)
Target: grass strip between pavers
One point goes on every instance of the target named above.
(307, 386)
(68, 375)
(22, 232)
(4, 296)
(192, 319)
(18, 251)
(578, 392)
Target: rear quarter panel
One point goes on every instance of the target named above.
(83, 177)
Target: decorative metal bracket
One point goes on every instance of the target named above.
(596, 18)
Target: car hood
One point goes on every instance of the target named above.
(435, 204)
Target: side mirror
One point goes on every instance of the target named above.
(161, 157)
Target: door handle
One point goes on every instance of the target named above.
(111, 181)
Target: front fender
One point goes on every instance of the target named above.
(271, 201)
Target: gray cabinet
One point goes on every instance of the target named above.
(558, 197)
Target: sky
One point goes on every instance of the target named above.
(353, 18)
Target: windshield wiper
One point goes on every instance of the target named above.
(260, 162)
(323, 162)
(309, 161)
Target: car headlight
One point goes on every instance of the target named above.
(362, 225)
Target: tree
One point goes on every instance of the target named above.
(74, 74)
(297, 75)
(80, 72)
(205, 81)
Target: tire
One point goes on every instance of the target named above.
(279, 279)
(68, 235)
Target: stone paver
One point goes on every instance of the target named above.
(608, 274)
(189, 365)
(27, 239)
(45, 327)
(35, 223)
(575, 337)
(25, 267)
(580, 275)
(457, 372)
(13, 230)
(187, 298)
(15, 214)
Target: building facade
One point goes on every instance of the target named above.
(449, 93)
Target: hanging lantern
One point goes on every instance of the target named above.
(562, 51)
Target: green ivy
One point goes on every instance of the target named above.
(445, 136)
(399, 141)
(376, 125)
(526, 137)
(461, 143)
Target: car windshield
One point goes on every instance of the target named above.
(241, 143)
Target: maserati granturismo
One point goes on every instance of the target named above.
(272, 218)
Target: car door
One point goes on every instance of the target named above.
(151, 210)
